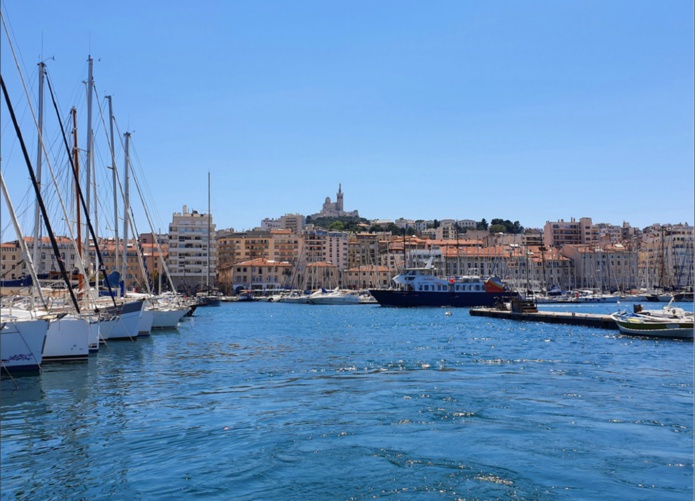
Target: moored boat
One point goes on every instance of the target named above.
(67, 338)
(367, 298)
(641, 325)
(420, 287)
(208, 298)
(588, 296)
(145, 322)
(296, 297)
(658, 297)
(669, 321)
(245, 296)
(21, 343)
(669, 311)
(335, 296)
(128, 314)
(167, 316)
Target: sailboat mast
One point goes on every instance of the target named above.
(90, 165)
(39, 157)
(76, 166)
(115, 182)
(207, 283)
(126, 201)
(88, 191)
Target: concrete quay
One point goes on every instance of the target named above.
(569, 318)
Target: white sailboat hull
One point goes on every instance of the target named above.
(145, 322)
(67, 339)
(21, 344)
(167, 318)
(128, 318)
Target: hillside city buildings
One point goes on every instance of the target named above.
(288, 253)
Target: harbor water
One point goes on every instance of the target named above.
(261, 400)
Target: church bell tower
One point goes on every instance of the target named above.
(339, 202)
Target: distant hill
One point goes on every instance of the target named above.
(342, 223)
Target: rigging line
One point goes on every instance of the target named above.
(35, 183)
(30, 107)
(10, 36)
(25, 249)
(54, 243)
(102, 268)
(105, 128)
(141, 257)
(56, 195)
(165, 268)
(111, 150)
(148, 191)
(140, 174)
(131, 219)
(150, 194)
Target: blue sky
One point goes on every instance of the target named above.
(531, 111)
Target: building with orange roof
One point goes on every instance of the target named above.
(367, 277)
(261, 275)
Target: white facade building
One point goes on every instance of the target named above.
(192, 250)
(271, 224)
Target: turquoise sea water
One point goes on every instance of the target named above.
(279, 401)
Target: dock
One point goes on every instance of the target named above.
(553, 317)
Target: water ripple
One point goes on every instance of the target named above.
(262, 401)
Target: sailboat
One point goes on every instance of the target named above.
(163, 311)
(22, 335)
(67, 338)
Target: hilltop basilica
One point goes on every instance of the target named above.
(335, 209)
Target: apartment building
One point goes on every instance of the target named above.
(608, 267)
(261, 275)
(326, 246)
(278, 245)
(404, 224)
(271, 224)
(13, 266)
(320, 274)
(226, 247)
(293, 222)
(364, 248)
(366, 277)
(666, 256)
(192, 250)
(559, 233)
(286, 246)
(45, 262)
